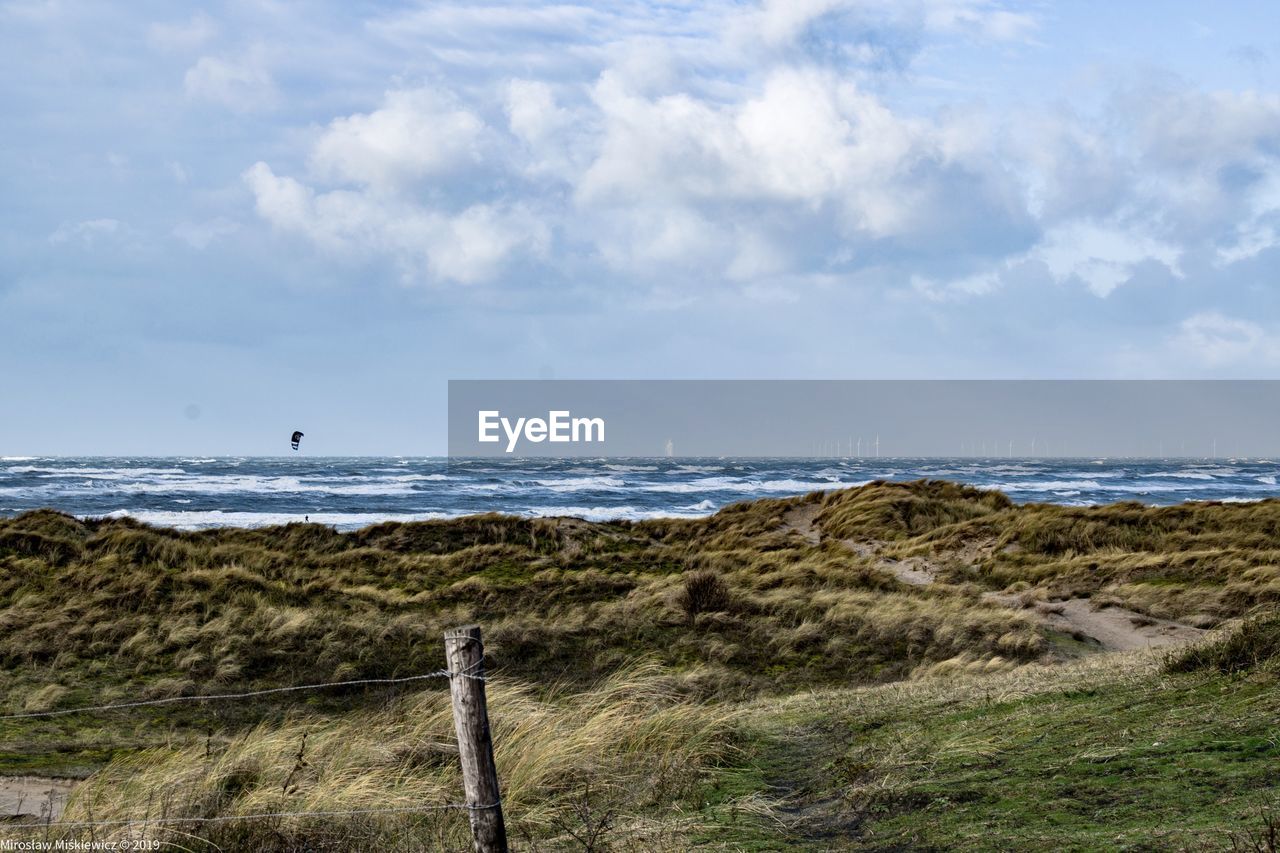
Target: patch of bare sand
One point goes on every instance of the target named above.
(1115, 629)
(33, 797)
(915, 571)
(803, 520)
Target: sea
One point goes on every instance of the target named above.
(348, 493)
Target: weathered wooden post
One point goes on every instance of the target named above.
(464, 654)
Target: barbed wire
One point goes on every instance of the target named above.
(260, 816)
(442, 673)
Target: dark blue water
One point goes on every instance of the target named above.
(350, 493)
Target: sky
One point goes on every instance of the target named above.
(222, 222)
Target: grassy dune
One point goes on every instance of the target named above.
(623, 761)
(790, 690)
(1139, 751)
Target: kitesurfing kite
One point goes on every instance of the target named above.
(297, 437)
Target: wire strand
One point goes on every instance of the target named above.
(261, 816)
(443, 673)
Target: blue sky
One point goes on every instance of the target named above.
(223, 222)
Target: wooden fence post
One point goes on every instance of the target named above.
(464, 654)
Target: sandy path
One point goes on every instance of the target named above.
(1115, 629)
(915, 571)
(802, 520)
(30, 797)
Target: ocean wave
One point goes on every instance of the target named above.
(750, 487)
(1046, 486)
(352, 492)
(411, 478)
(204, 520)
(612, 513)
(96, 473)
(229, 485)
(574, 484)
(1180, 475)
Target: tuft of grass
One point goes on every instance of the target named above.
(1255, 644)
(623, 762)
(704, 592)
(902, 510)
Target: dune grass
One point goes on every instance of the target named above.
(1121, 752)
(623, 762)
(1111, 753)
(112, 608)
(749, 599)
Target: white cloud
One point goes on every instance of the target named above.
(414, 134)
(980, 17)
(532, 113)
(804, 138)
(782, 22)
(1190, 130)
(696, 156)
(200, 235)
(1102, 257)
(243, 84)
(1215, 340)
(466, 247)
(806, 151)
(1259, 230)
(88, 232)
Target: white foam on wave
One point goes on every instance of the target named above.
(209, 519)
(697, 469)
(750, 487)
(1046, 486)
(614, 513)
(574, 484)
(209, 485)
(411, 478)
(47, 472)
(1268, 479)
(204, 520)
